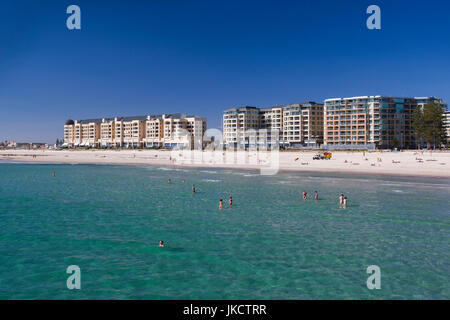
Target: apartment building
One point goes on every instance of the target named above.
(107, 133)
(379, 121)
(167, 130)
(82, 133)
(303, 124)
(238, 121)
(69, 133)
(132, 131)
(293, 125)
(447, 125)
(271, 119)
(154, 132)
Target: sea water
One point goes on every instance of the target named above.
(271, 244)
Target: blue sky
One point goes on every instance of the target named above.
(201, 57)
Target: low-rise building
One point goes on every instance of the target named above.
(167, 130)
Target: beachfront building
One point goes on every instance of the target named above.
(271, 119)
(69, 133)
(447, 125)
(303, 124)
(132, 131)
(167, 130)
(154, 132)
(107, 133)
(294, 125)
(81, 133)
(237, 122)
(375, 121)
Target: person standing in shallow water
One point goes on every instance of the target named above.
(341, 199)
(161, 244)
(220, 204)
(344, 203)
(230, 202)
(169, 181)
(193, 188)
(305, 195)
(316, 195)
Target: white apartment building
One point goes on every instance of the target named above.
(447, 125)
(238, 121)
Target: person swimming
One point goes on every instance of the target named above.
(193, 188)
(183, 181)
(316, 195)
(220, 204)
(305, 195)
(230, 202)
(341, 199)
(161, 243)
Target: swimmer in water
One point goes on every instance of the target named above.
(230, 202)
(316, 195)
(305, 195)
(161, 244)
(341, 199)
(193, 188)
(169, 181)
(220, 204)
(183, 181)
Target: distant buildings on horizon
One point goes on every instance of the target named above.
(354, 122)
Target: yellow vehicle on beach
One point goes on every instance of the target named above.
(323, 156)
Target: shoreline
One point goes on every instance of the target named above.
(435, 168)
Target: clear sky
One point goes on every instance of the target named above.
(201, 57)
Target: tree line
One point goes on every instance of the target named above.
(428, 123)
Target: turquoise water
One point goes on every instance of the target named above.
(270, 245)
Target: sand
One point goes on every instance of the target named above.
(407, 163)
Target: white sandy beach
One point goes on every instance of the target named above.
(408, 163)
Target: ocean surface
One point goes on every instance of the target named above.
(271, 244)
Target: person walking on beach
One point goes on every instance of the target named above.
(193, 188)
(305, 195)
(316, 195)
(230, 202)
(220, 204)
